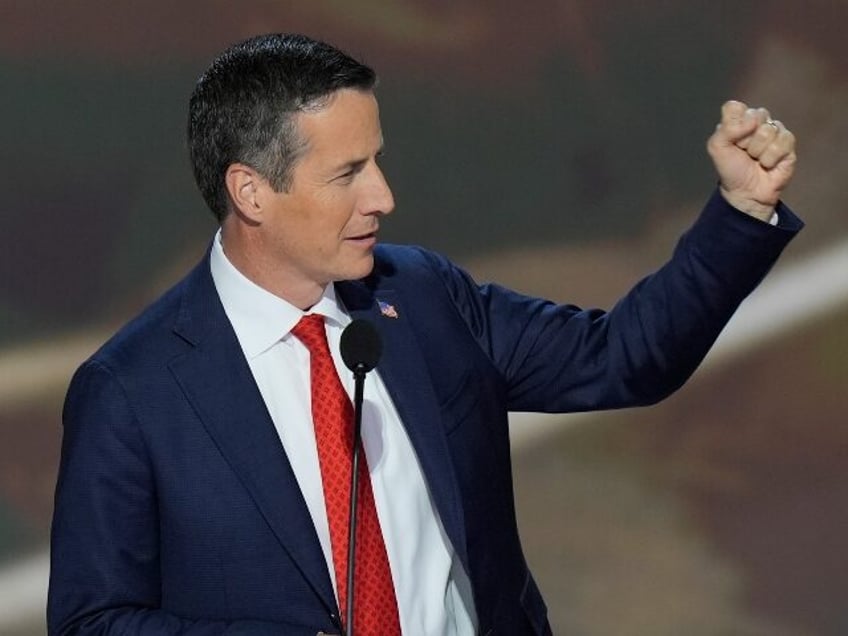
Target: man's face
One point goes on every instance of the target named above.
(323, 228)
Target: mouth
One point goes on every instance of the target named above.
(367, 239)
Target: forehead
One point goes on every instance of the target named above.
(347, 122)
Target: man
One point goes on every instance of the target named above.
(196, 493)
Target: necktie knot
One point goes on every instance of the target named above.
(310, 331)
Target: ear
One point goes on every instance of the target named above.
(243, 185)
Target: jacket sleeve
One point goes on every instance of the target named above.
(105, 576)
(561, 358)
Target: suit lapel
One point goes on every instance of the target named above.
(217, 381)
(403, 370)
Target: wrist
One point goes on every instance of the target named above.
(762, 211)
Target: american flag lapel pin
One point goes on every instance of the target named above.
(387, 310)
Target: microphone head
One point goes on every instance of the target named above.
(360, 346)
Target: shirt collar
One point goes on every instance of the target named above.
(259, 318)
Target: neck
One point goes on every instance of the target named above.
(246, 254)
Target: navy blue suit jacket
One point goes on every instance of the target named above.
(177, 510)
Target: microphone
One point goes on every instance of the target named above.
(361, 348)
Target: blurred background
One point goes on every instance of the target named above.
(556, 146)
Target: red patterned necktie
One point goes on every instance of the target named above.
(375, 606)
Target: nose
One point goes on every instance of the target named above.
(380, 198)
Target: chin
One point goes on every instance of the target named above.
(357, 270)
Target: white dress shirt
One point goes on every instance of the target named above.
(431, 586)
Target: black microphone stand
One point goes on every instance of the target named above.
(359, 385)
(360, 347)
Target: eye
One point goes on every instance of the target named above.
(350, 172)
(345, 177)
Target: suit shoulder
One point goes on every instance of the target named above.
(427, 276)
(388, 255)
(410, 260)
(145, 335)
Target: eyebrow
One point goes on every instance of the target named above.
(358, 163)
